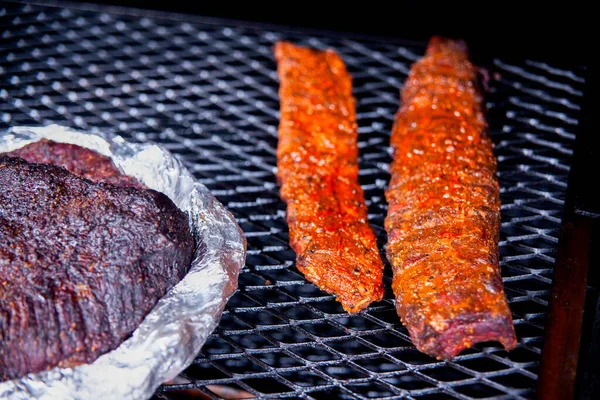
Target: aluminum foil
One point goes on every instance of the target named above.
(171, 335)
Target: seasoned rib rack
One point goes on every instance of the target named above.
(443, 218)
(317, 165)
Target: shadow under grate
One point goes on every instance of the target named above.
(209, 93)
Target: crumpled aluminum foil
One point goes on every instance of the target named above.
(171, 335)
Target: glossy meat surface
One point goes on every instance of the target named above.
(443, 220)
(77, 160)
(81, 264)
(318, 171)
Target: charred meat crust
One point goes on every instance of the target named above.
(443, 219)
(317, 167)
(81, 264)
(77, 160)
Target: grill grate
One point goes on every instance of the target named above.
(208, 92)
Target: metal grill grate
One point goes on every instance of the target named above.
(209, 93)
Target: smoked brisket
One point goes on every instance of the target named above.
(81, 263)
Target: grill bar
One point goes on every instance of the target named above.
(563, 344)
(207, 91)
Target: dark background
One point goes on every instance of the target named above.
(561, 32)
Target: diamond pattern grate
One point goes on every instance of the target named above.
(208, 92)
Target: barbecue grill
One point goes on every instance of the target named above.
(207, 90)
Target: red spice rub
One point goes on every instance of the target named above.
(443, 220)
(78, 160)
(318, 171)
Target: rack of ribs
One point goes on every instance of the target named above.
(443, 220)
(318, 172)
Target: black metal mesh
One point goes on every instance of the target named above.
(209, 93)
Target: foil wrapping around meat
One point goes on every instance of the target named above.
(171, 335)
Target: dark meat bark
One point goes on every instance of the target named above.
(78, 160)
(443, 220)
(318, 171)
(81, 264)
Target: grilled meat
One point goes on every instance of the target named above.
(443, 220)
(77, 160)
(81, 263)
(318, 171)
